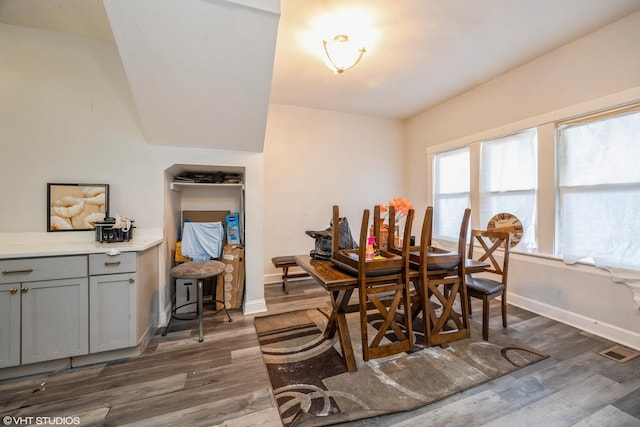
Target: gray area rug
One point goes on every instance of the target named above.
(312, 387)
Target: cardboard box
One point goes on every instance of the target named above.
(230, 287)
(205, 216)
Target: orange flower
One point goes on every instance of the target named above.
(401, 206)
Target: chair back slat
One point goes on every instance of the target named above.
(335, 226)
(490, 242)
(377, 232)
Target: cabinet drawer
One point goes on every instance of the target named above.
(35, 269)
(111, 264)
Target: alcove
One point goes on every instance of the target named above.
(199, 194)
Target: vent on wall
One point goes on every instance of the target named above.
(619, 354)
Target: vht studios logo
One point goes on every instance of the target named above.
(8, 420)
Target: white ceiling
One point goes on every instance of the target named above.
(428, 50)
(420, 52)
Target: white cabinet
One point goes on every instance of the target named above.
(43, 309)
(9, 325)
(55, 319)
(112, 302)
(75, 310)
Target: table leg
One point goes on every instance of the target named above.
(331, 328)
(345, 343)
(200, 314)
(338, 323)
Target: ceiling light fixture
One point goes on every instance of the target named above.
(341, 54)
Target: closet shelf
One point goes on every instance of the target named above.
(179, 186)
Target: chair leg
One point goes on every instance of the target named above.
(224, 306)
(504, 309)
(485, 318)
(469, 304)
(200, 327)
(285, 273)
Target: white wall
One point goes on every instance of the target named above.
(596, 71)
(67, 115)
(317, 158)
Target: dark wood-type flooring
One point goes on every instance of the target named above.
(223, 381)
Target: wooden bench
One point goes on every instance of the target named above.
(284, 262)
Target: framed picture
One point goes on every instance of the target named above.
(74, 207)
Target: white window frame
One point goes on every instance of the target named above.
(439, 196)
(547, 167)
(615, 253)
(529, 240)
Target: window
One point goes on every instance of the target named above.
(599, 189)
(508, 181)
(451, 192)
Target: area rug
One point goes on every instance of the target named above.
(312, 387)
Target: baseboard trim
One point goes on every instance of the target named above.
(590, 325)
(163, 318)
(106, 356)
(35, 368)
(271, 279)
(256, 306)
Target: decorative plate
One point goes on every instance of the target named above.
(507, 222)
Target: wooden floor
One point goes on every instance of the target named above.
(222, 381)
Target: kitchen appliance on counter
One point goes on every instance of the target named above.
(113, 230)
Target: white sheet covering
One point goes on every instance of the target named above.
(202, 240)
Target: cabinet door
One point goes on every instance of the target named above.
(9, 325)
(55, 319)
(112, 304)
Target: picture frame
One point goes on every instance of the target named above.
(76, 207)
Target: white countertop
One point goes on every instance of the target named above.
(37, 244)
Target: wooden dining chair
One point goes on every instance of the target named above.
(442, 275)
(493, 284)
(383, 287)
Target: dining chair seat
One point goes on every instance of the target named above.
(373, 273)
(483, 285)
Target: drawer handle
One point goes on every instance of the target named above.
(24, 290)
(30, 270)
(13, 291)
(132, 280)
(112, 264)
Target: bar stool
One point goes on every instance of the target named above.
(198, 270)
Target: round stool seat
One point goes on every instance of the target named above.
(197, 269)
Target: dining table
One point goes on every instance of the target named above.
(341, 285)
